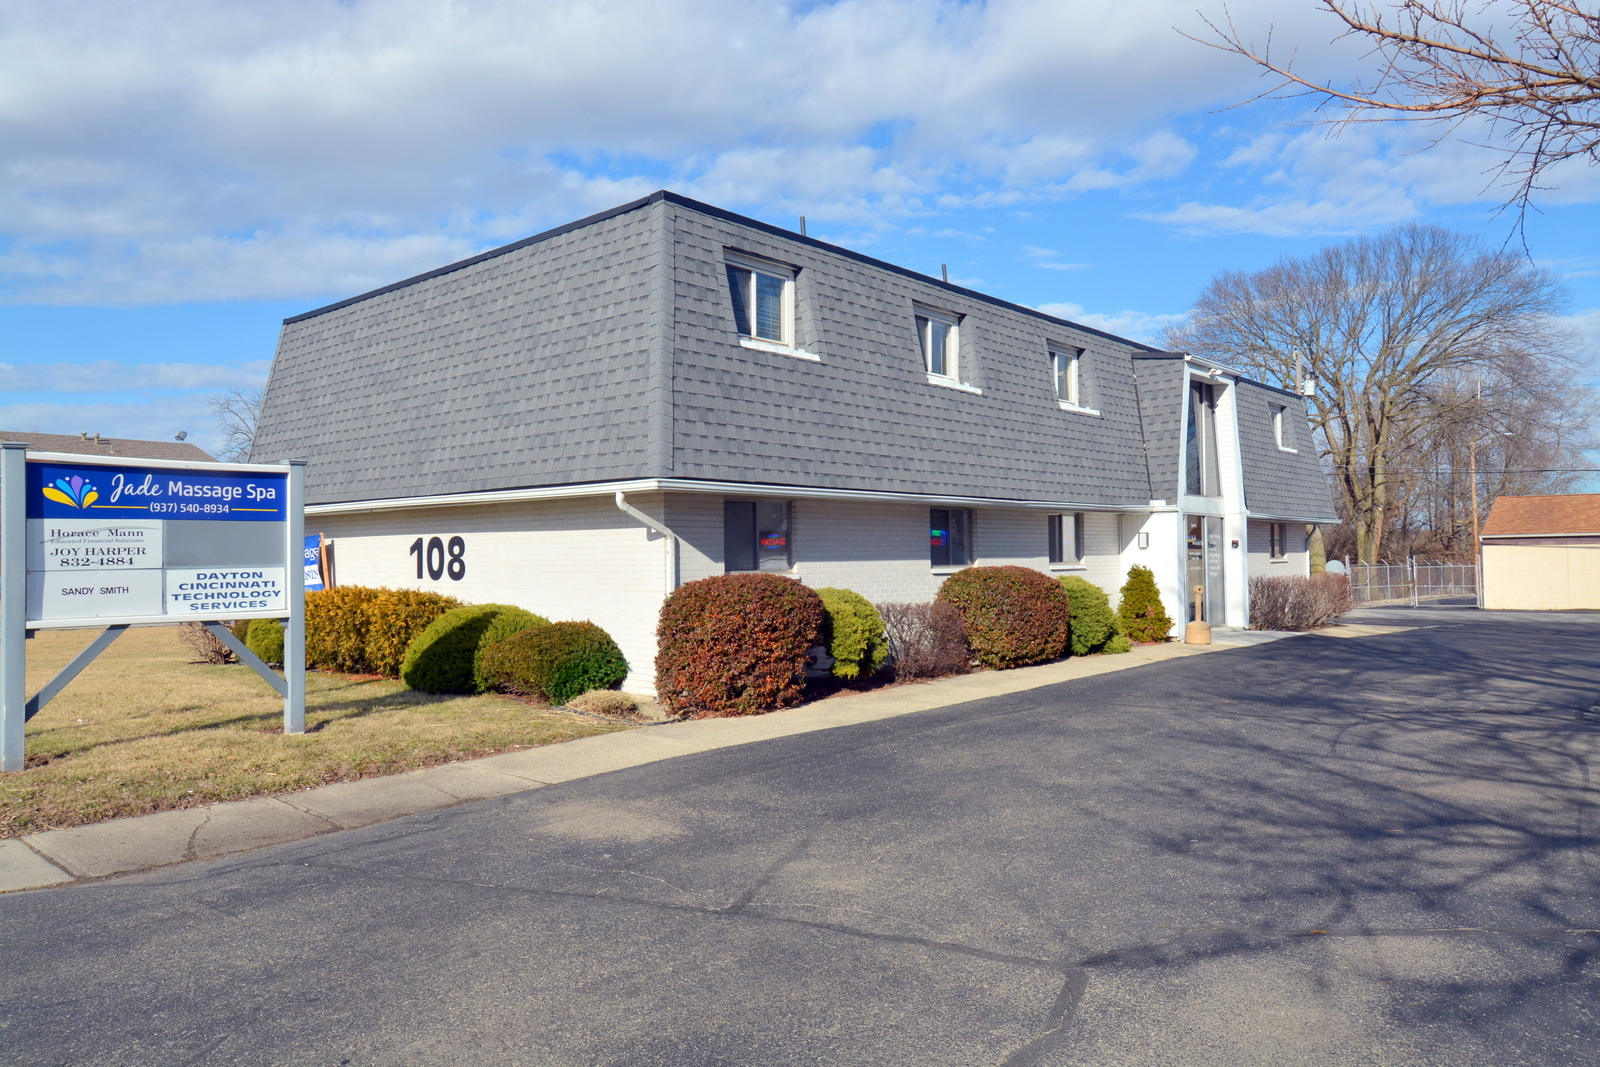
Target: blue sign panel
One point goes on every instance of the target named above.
(312, 557)
(90, 490)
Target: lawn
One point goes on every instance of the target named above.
(144, 728)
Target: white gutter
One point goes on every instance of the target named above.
(671, 538)
(685, 485)
(1261, 516)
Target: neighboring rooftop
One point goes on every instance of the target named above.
(1567, 515)
(128, 448)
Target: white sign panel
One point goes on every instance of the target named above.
(97, 593)
(94, 544)
(218, 591)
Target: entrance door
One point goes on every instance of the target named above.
(1204, 568)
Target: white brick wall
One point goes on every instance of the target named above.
(1296, 562)
(880, 550)
(564, 559)
(584, 559)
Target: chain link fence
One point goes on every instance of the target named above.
(1412, 582)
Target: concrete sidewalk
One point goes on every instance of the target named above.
(119, 846)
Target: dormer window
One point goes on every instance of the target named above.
(763, 299)
(1282, 428)
(939, 335)
(1064, 366)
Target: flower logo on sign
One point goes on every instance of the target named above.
(73, 491)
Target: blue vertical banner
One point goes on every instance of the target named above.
(313, 562)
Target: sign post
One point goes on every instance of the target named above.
(13, 604)
(112, 542)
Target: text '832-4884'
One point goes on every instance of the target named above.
(438, 558)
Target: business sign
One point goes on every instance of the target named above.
(312, 558)
(114, 543)
(79, 490)
(155, 541)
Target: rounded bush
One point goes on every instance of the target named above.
(1144, 617)
(1093, 624)
(510, 620)
(852, 632)
(556, 662)
(735, 644)
(336, 628)
(394, 617)
(265, 639)
(441, 658)
(1013, 615)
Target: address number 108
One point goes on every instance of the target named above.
(438, 557)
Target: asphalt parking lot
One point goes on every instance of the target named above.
(1313, 851)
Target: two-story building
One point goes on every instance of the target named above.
(581, 421)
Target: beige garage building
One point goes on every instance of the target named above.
(1542, 553)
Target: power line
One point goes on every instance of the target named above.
(1481, 470)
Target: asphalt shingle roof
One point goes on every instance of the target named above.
(1573, 514)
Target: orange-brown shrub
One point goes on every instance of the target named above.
(735, 644)
(336, 628)
(394, 617)
(1014, 615)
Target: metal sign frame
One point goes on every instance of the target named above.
(16, 708)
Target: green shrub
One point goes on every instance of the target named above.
(556, 662)
(1143, 616)
(510, 620)
(1094, 624)
(394, 618)
(1119, 643)
(441, 658)
(337, 621)
(1013, 615)
(852, 632)
(735, 644)
(266, 640)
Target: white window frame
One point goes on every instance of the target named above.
(786, 311)
(1282, 430)
(1067, 528)
(1073, 400)
(924, 319)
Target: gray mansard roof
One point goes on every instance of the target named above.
(1280, 484)
(606, 350)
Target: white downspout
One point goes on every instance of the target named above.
(672, 538)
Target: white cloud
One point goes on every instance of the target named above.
(1586, 324)
(204, 149)
(1140, 326)
(1050, 259)
(104, 376)
(1161, 155)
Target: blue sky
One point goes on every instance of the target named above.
(176, 176)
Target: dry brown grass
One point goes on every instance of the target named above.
(144, 729)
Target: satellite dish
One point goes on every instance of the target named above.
(181, 435)
(1336, 566)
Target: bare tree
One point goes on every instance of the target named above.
(237, 411)
(1382, 323)
(1537, 82)
(1516, 428)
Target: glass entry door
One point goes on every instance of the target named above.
(1204, 551)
